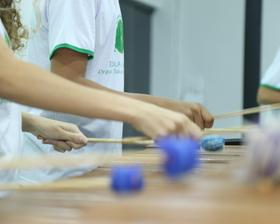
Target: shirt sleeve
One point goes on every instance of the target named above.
(271, 78)
(71, 25)
(1, 29)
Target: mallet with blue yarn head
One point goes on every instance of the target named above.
(127, 179)
(212, 143)
(182, 155)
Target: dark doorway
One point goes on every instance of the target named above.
(252, 56)
(137, 42)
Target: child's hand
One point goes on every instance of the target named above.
(158, 122)
(63, 136)
(194, 111)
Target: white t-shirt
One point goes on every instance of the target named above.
(93, 27)
(271, 79)
(11, 140)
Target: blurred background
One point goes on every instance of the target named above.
(212, 52)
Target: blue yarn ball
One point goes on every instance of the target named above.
(212, 143)
(127, 179)
(181, 155)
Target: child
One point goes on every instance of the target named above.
(269, 90)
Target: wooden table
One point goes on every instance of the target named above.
(214, 193)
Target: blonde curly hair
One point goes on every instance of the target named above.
(10, 17)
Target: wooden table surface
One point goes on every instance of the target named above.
(214, 193)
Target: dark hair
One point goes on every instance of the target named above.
(10, 17)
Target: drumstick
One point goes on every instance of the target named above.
(148, 140)
(249, 111)
(227, 130)
(123, 141)
(130, 140)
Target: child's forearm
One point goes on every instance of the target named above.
(33, 86)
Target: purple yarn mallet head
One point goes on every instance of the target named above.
(264, 152)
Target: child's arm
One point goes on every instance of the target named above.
(268, 96)
(72, 65)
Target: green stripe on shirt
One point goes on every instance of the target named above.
(270, 87)
(81, 50)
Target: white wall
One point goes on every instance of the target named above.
(211, 46)
(197, 53)
(270, 32)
